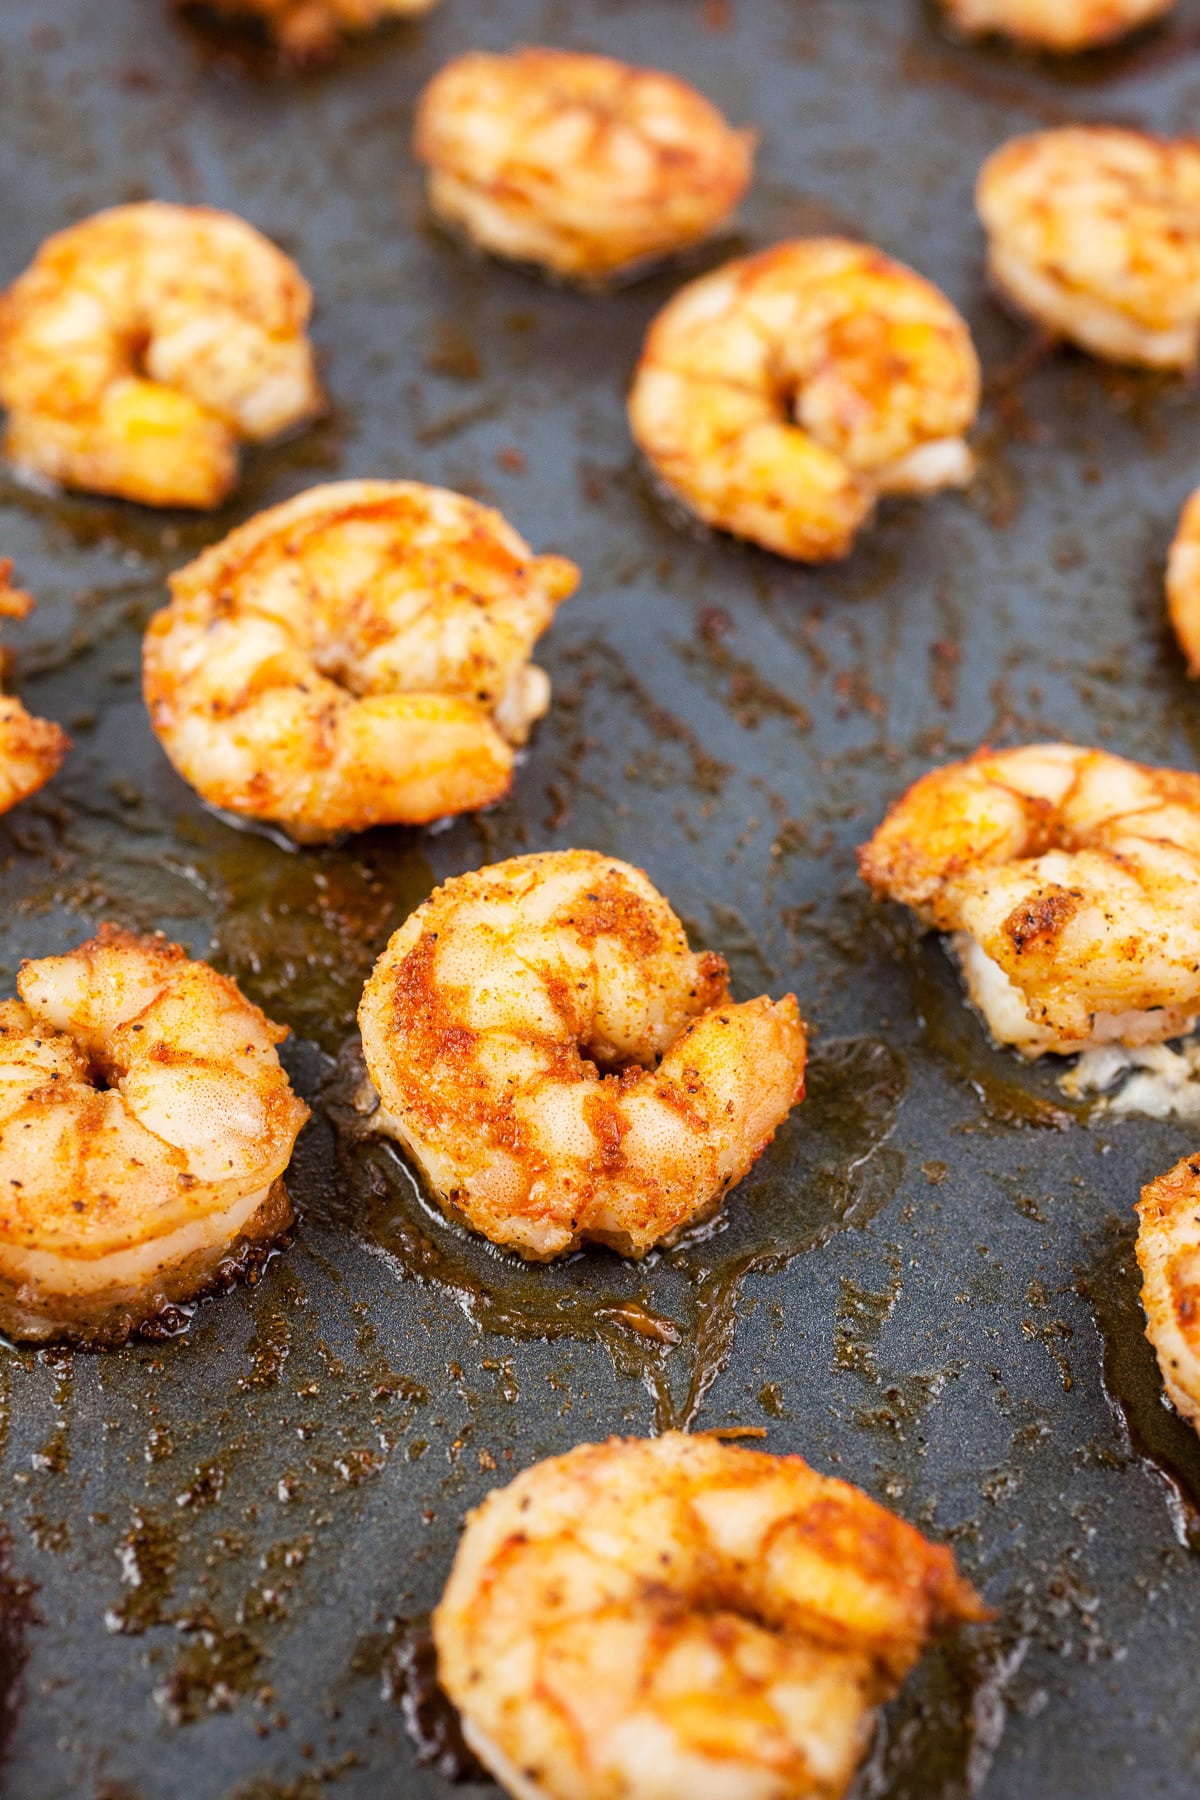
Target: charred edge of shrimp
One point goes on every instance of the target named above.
(91, 1323)
(700, 257)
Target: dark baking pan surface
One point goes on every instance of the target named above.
(927, 1286)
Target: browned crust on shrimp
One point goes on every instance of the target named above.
(562, 1067)
(1071, 880)
(109, 1318)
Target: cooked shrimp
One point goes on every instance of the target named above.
(1168, 1251)
(1070, 881)
(309, 30)
(1095, 233)
(780, 396)
(579, 163)
(1183, 583)
(1060, 25)
(643, 1620)
(357, 656)
(145, 1126)
(560, 1065)
(143, 344)
(31, 750)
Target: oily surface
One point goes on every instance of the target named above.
(927, 1285)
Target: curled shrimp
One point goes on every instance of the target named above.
(1168, 1252)
(145, 1127)
(583, 165)
(1070, 881)
(1057, 25)
(1183, 583)
(143, 344)
(31, 750)
(559, 1064)
(779, 397)
(308, 30)
(1095, 233)
(357, 656)
(651, 1619)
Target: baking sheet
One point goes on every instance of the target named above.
(927, 1285)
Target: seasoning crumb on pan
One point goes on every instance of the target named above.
(144, 344)
(357, 656)
(781, 396)
(562, 1067)
(680, 1616)
(580, 164)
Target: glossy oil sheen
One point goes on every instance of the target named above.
(927, 1284)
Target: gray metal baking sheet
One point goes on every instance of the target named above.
(927, 1286)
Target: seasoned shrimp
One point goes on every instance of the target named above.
(581, 164)
(561, 1066)
(1095, 233)
(143, 344)
(145, 1126)
(308, 30)
(643, 1620)
(357, 656)
(1183, 583)
(1060, 25)
(31, 750)
(1168, 1251)
(781, 396)
(1070, 881)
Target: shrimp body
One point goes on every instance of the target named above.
(1168, 1252)
(583, 165)
(562, 1067)
(143, 344)
(1183, 583)
(779, 397)
(641, 1620)
(31, 750)
(309, 30)
(145, 1127)
(1070, 881)
(1095, 233)
(1057, 25)
(357, 656)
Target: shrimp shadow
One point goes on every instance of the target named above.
(669, 1321)
(1010, 1090)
